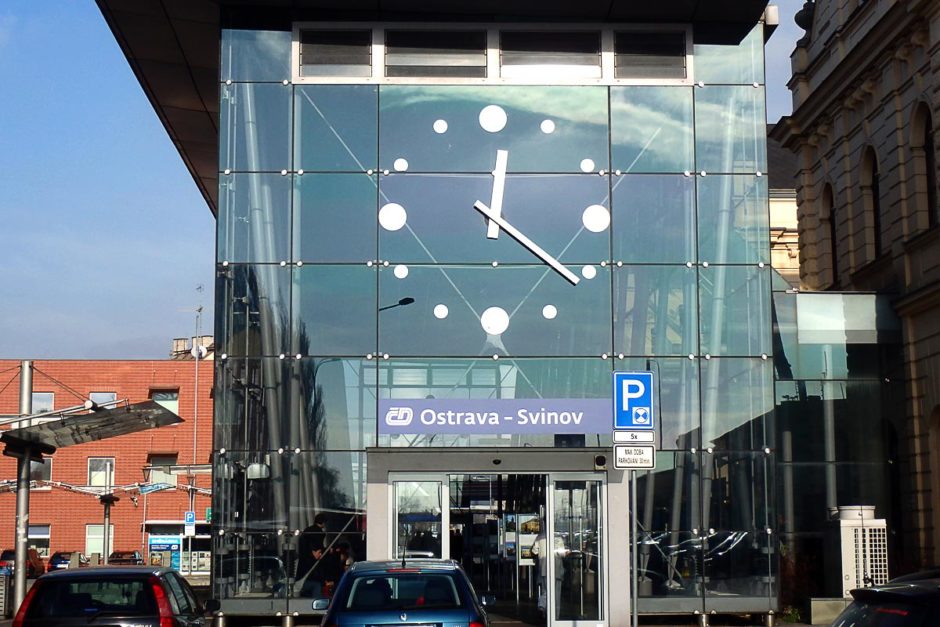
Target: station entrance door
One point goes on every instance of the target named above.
(534, 541)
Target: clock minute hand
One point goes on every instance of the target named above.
(499, 184)
(534, 248)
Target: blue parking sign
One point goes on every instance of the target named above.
(189, 518)
(633, 401)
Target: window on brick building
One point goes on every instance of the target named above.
(43, 401)
(871, 198)
(94, 539)
(98, 468)
(38, 538)
(102, 397)
(167, 399)
(829, 217)
(923, 152)
(40, 471)
(162, 475)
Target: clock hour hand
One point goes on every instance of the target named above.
(499, 183)
(534, 248)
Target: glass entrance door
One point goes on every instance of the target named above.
(421, 524)
(576, 570)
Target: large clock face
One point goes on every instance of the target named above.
(494, 215)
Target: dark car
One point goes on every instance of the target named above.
(896, 604)
(126, 558)
(130, 596)
(63, 559)
(34, 565)
(420, 592)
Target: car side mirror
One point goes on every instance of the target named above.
(488, 599)
(213, 605)
(320, 604)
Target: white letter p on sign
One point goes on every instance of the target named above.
(632, 388)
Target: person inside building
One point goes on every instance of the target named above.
(315, 560)
(541, 555)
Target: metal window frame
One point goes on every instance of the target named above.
(493, 56)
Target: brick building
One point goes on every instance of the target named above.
(64, 511)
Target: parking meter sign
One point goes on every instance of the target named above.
(633, 401)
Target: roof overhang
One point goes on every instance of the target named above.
(173, 45)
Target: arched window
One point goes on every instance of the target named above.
(829, 218)
(871, 198)
(923, 149)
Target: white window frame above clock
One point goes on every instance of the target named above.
(497, 71)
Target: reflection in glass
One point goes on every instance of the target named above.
(655, 310)
(735, 311)
(251, 490)
(577, 550)
(255, 55)
(469, 311)
(730, 130)
(254, 131)
(651, 129)
(738, 490)
(442, 225)
(329, 486)
(254, 218)
(677, 395)
(669, 497)
(334, 218)
(250, 565)
(253, 403)
(335, 404)
(733, 219)
(334, 310)
(418, 510)
(737, 403)
(738, 562)
(654, 219)
(545, 129)
(741, 64)
(670, 564)
(252, 309)
(335, 128)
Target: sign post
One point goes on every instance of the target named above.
(189, 522)
(635, 437)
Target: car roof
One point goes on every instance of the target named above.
(98, 571)
(420, 565)
(900, 591)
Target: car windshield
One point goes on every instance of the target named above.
(883, 615)
(120, 596)
(398, 591)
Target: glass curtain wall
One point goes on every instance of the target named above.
(354, 266)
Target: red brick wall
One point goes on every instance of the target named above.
(67, 513)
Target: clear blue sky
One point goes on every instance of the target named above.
(105, 238)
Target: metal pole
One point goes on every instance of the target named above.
(106, 542)
(22, 491)
(633, 556)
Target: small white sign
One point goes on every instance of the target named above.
(640, 456)
(189, 531)
(628, 437)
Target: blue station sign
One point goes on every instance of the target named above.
(633, 401)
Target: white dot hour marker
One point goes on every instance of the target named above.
(440, 126)
(494, 320)
(596, 218)
(587, 165)
(392, 216)
(400, 165)
(440, 311)
(401, 271)
(549, 312)
(589, 272)
(547, 126)
(493, 118)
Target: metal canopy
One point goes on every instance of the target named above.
(173, 45)
(90, 427)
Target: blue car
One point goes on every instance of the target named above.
(417, 593)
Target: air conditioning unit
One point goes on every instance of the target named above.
(857, 549)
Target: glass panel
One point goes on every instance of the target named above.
(251, 566)
(254, 132)
(577, 549)
(435, 53)
(670, 564)
(459, 129)
(336, 404)
(251, 490)
(334, 310)
(567, 216)
(497, 380)
(730, 130)
(255, 55)
(733, 219)
(677, 395)
(651, 129)
(335, 127)
(742, 64)
(253, 309)
(253, 403)
(254, 218)
(550, 54)
(655, 310)
(649, 55)
(336, 52)
(669, 498)
(735, 310)
(737, 403)
(738, 490)
(654, 219)
(738, 564)
(509, 310)
(418, 507)
(334, 218)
